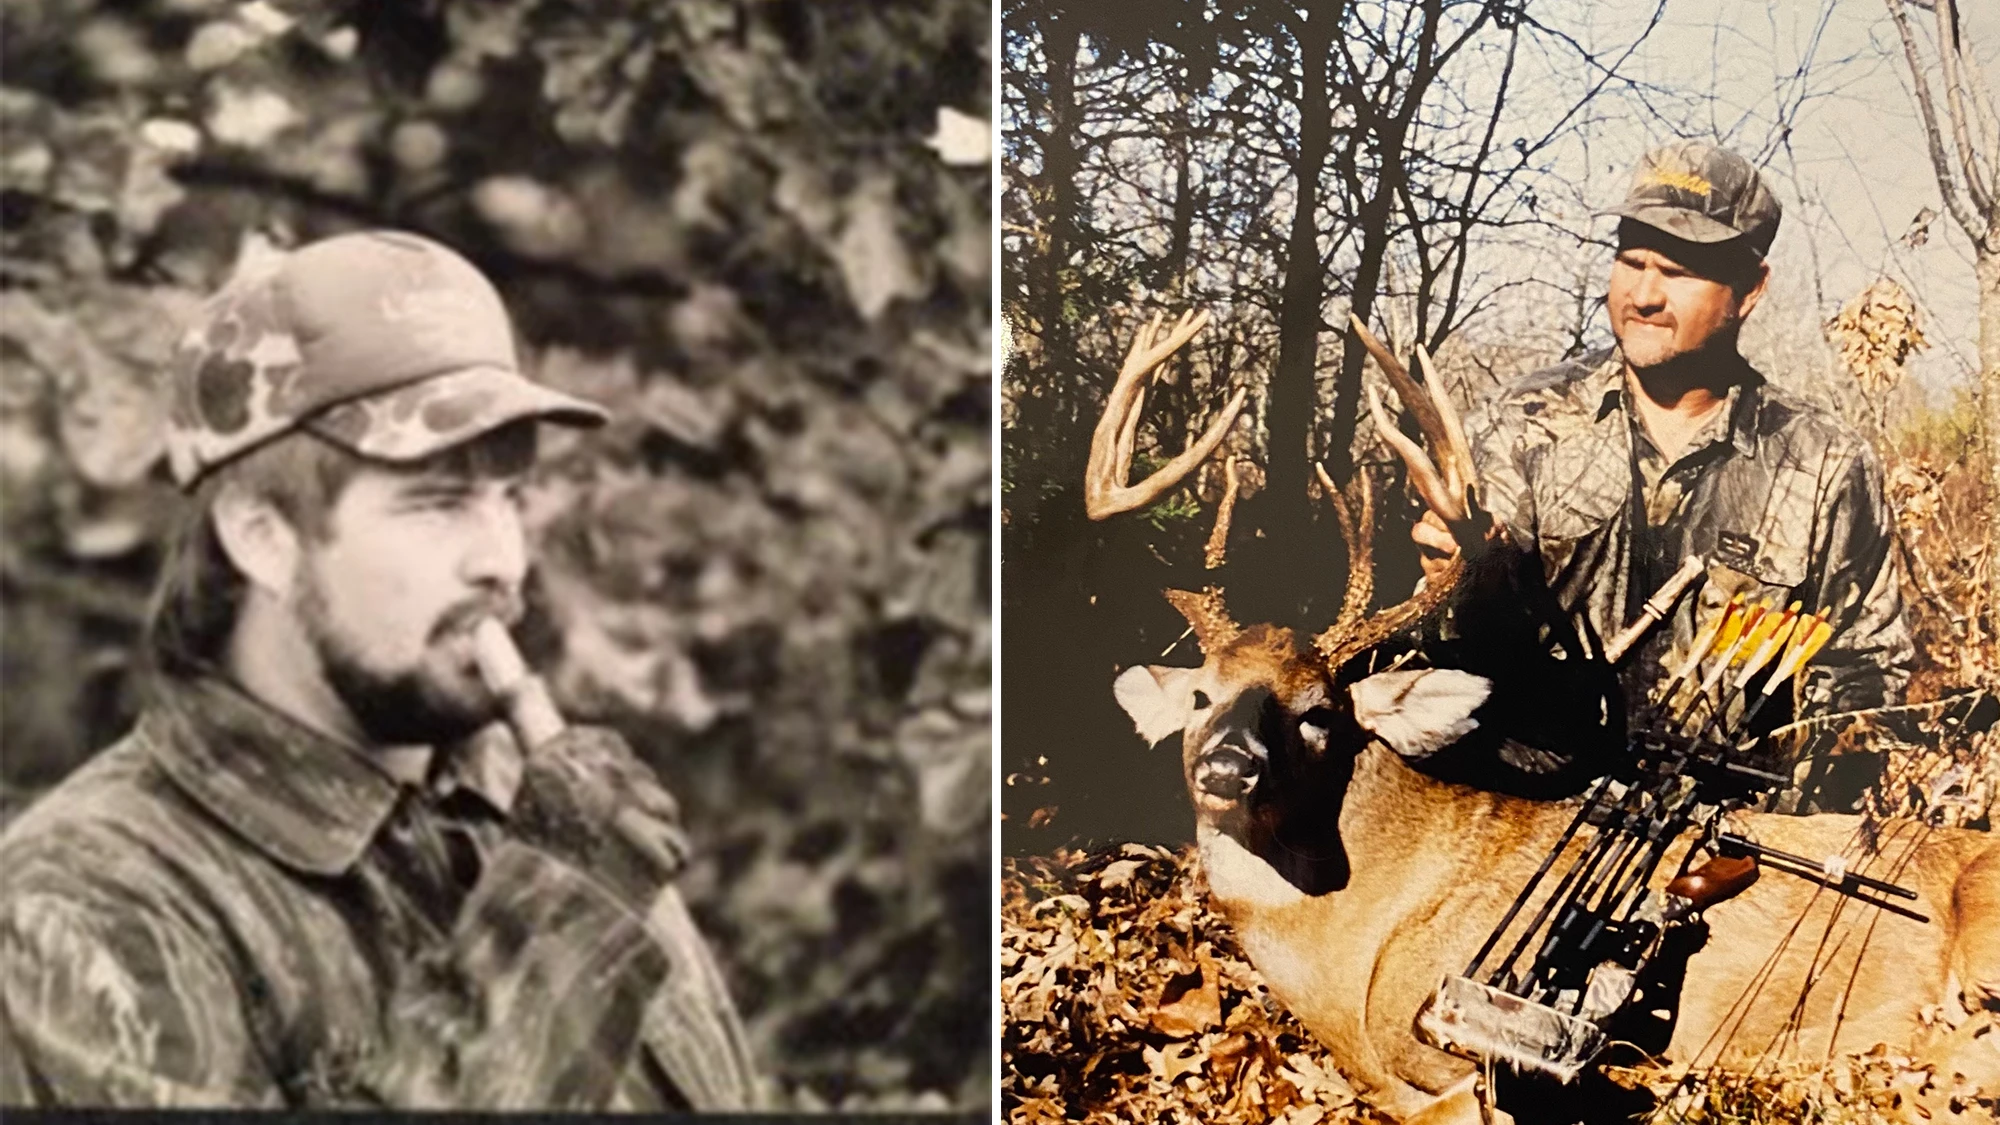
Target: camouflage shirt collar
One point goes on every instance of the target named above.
(309, 801)
(1744, 404)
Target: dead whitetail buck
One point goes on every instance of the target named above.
(1356, 884)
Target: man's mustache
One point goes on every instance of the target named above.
(509, 609)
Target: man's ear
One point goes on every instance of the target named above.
(1419, 713)
(1755, 293)
(261, 543)
(1158, 699)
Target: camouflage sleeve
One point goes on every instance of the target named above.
(1867, 662)
(108, 1004)
(1498, 455)
(537, 1002)
(692, 1026)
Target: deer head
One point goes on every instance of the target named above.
(1268, 726)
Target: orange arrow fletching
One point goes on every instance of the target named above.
(1710, 638)
(1755, 635)
(1769, 647)
(1733, 625)
(1733, 652)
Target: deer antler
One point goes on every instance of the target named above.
(1105, 493)
(1360, 548)
(1207, 616)
(1217, 547)
(1448, 490)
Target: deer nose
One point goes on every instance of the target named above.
(1228, 772)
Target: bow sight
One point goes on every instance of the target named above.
(1588, 922)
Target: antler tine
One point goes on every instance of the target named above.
(1216, 549)
(1336, 650)
(1105, 492)
(1447, 492)
(1444, 492)
(1207, 615)
(1360, 554)
(1459, 473)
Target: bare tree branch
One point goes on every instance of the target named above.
(1950, 44)
(1955, 200)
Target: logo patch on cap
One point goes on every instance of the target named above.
(1675, 178)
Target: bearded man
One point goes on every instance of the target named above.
(1605, 472)
(301, 880)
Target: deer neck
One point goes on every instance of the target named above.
(1388, 813)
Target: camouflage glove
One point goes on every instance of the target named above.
(587, 800)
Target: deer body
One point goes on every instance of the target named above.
(1356, 883)
(1435, 866)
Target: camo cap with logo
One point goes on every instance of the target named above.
(1701, 193)
(385, 343)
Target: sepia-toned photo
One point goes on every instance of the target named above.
(496, 556)
(1497, 556)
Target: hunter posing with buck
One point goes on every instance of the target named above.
(1614, 467)
(1403, 915)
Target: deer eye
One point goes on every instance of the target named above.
(1201, 700)
(1314, 726)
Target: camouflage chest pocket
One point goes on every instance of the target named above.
(1762, 550)
(1580, 495)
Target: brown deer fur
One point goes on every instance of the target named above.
(1434, 865)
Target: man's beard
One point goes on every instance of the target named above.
(392, 709)
(1668, 362)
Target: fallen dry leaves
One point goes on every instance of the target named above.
(1876, 1087)
(1124, 998)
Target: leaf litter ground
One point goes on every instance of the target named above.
(1125, 998)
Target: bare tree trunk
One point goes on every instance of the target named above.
(1965, 155)
(1292, 394)
(1060, 159)
(1986, 267)
(1173, 271)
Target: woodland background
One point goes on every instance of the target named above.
(758, 230)
(1433, 167)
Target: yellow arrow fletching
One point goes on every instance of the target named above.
(1815, 641)
(1754, 635)
(1731, 652)
(1800, 650)
(1709, 639)
(1732, 625)
(1770, 646)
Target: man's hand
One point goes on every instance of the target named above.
(1437, 546)
(586, 799)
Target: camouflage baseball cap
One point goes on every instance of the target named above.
(1701, 193)
(383, 342)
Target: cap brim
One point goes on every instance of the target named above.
(428, 416)
(1686, 225)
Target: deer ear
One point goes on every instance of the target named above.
(1419, 713)
(1156, 698)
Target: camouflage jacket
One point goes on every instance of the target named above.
(1782, 502)
(228, 909)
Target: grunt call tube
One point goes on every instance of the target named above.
(1656, 608)
(530, 710)
(532, 715)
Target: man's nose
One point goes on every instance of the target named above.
(1649, 290)
(497, 556)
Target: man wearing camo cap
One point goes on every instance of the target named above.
(318, 872)
(1612, 468)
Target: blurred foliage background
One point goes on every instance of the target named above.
(758, 230)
